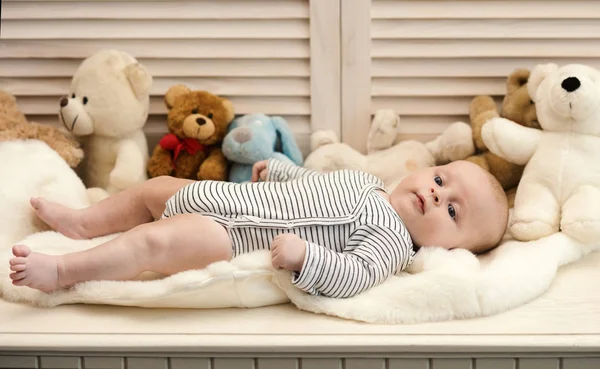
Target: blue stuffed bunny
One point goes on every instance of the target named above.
(255, 137)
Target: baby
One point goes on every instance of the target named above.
(340, 233)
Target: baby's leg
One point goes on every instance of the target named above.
(117, 213)
(581, 215)
(536, 212)
(169, 246)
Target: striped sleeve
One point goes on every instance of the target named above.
(278, 171)
(373, 254)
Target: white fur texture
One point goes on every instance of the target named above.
(560, 187)
(107, 107)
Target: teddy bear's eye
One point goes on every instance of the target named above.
(73, 96)
(85, 100)
(209, 115)
(195, 111)
(531, 102)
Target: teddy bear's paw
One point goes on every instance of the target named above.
(385, 121)
(75, 157)
(488, 134)
(322, 138)
(587, 231)
(531, 230)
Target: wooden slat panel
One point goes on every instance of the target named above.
(14, 362)
(161, 67)
(321, 364)
(485, 9)
(203, 9)
(219, 86)
(451, 364)
(92, 362)
(425, 105)
(60, 362)
(485, 48)
(538, 364)
(189, 363)
(242, 363)
(495, 364)
(352, 363)
(438, 86)
(146, 363)
(154, 29)
(486, 29)
(243, 105)
(235, 49)
(464, 67)
(408, 364)
(266, 363)
(581, 363)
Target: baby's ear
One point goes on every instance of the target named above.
(173, 93)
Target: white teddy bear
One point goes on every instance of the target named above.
(560, 187)
(385, 158)
(107, 107)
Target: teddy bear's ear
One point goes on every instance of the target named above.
(139, 80)
(517, 79)
(173, 93)
(539, 73)
(228, 105)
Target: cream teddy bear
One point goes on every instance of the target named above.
(560, 187)
(106, 108)
(388, 160)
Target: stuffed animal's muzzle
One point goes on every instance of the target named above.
(575, 97)
(73, 116)
(198, 126)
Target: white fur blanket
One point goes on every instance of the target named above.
(440, 285)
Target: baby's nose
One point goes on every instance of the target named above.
(435, 197)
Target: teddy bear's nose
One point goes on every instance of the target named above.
(64, 102)
(201, 121)
(570, 84)
(242, 134)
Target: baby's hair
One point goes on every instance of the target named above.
(502, 200)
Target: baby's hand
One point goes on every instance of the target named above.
(259, 170)
(287, 252)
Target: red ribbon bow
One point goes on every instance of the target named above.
(173, 143)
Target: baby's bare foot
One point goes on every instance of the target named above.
(61, 218)
(34, 270)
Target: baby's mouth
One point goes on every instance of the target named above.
(420, 203)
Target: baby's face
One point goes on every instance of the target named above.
(449, 206)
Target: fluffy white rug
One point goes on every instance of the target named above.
(440, 285)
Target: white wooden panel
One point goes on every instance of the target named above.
(408, 364)
(241, 363)
(485, 9)
(356, 72)
(146, 363)
(206, 9)
(352, 363)
(91, 362)
(321, 364)
(581, 363)
(538, 364)
(161, 67)
(436, 86)
(60, 362)
(325, 65)
(189, 363)
(438, 105)
(495, 364)
(266, 363)
(14, 362)
(451, 364)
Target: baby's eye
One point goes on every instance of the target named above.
(451, 211)
(438, 180)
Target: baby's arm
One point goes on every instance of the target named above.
(510, 141)
(278, 171)
(375, 253)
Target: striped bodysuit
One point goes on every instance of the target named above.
(354, 238)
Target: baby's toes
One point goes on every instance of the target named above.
(22, 282)
(18, 267)
(17, 261)
(18, 276)
(21, 250)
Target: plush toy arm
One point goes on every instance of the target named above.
(279, 171)
(511, 141)
(455, 143)
(160, 163)
(383, 130)
(129, 167)
(214, 167)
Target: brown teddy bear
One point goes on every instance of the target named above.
(516, 106)
(14, 126)
(197, 122)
